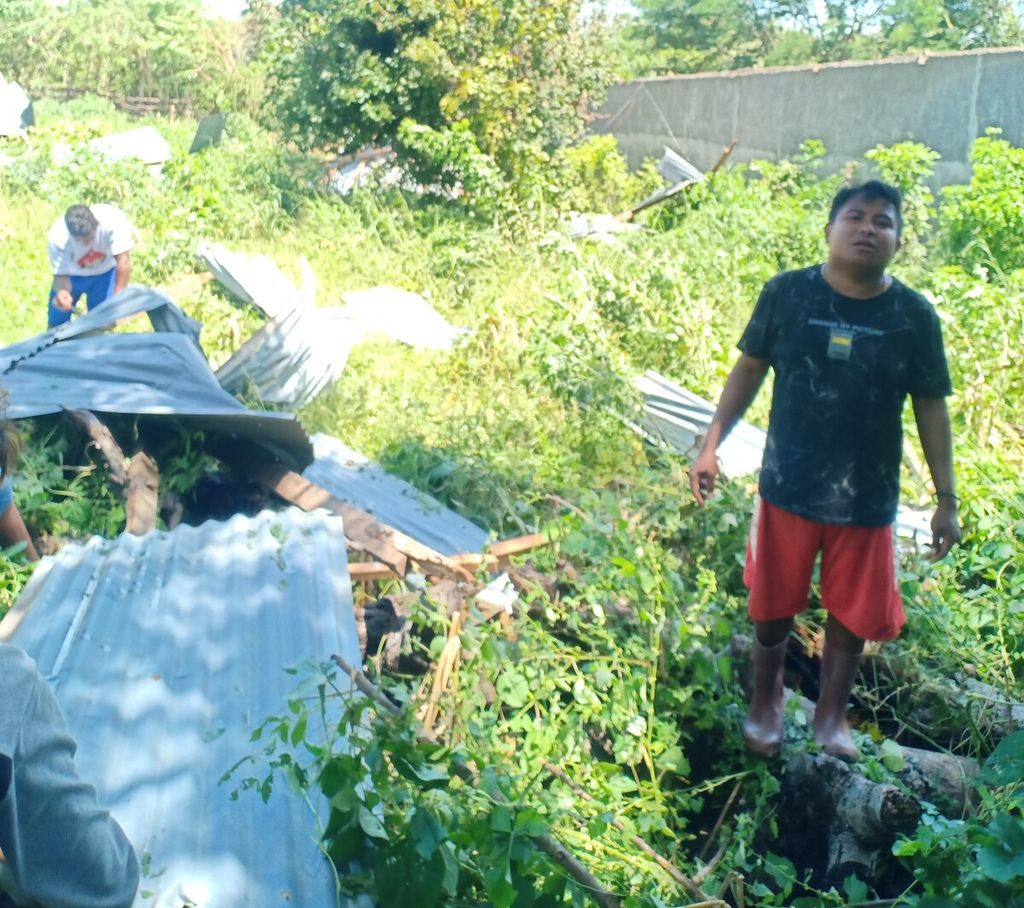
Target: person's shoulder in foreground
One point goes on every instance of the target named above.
(60, 849)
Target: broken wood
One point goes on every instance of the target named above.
(363, 531)
(546, 842)
(103, 440)
(365, 571)
(141, 495)
(137, 478)
(444, 669)
(499, 551)
(491, 558)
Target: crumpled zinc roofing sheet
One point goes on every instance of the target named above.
(15, 107)
(679, 418)
(165, 651)
(348, 475)
(292, 358)
(161, 374)
(256, 279)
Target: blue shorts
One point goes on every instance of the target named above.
(96, 288)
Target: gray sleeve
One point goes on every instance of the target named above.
(62, 850)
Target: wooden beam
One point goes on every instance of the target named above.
(362, 531)
(501, 550)
(141, 495)
(365, 571)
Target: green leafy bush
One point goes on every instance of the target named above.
(448, 84)
(983, 222)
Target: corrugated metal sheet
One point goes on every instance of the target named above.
(161, 374)
(402, 315)
(257, 280)
(678, 418)
(348, 475)
(165, 652)
(15, 108)
(292, 358)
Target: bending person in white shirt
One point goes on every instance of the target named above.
(90, 255)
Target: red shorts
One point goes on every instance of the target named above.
(859, 580)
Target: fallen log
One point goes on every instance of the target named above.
(838, 822)
(103, 440)
(944, 779)
(943, 706)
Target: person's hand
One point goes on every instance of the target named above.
(945, 529)
(63, 300)
(703, 474)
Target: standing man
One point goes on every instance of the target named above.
(90, 254)
(847, 343)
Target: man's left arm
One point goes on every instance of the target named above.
(122, 270)
(932, 417)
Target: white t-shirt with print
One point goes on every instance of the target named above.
(70, 256)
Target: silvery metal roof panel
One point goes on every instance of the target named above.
(165, 651)
(292, 358)
(257, 280)
(164, 315)
(348, 475)
(149, 374)
(679, 418)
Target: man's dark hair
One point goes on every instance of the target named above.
(80, 221)
(869, 191)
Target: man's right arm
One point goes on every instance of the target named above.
(62, 291)
(741, 388)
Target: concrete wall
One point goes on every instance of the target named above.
(942, 100)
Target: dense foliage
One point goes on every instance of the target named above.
(618, 671)
(473, 93)
(685, 36)
(127, 49)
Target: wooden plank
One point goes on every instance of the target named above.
(362, 531)
(517, 545)
(500, 550)
(361, 528)
(142, 494)
(364, 571)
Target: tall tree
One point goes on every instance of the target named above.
(465, 88)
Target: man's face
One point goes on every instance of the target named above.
(864, 233)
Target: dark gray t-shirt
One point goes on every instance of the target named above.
(843, 369)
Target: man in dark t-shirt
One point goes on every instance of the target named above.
(847, 343)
